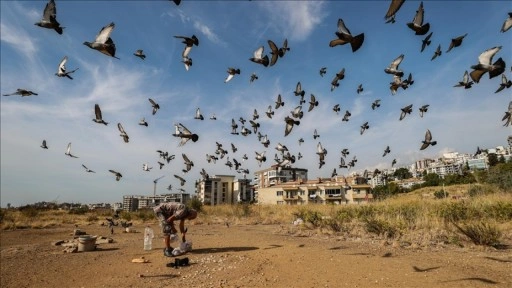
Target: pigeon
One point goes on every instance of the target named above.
(507, 24)
(323, 70)
(360, 88)
(423, 109)
(417, 23)
(188, 164)
(234, 126)
(346, 116)
(177, 2)
(184, 134)
(61, 71)
(290, 122)
(145, 167)
(485, 65)
(87, 169)
(393, 162)
(68, 151)
(49, 19)
(265, 141)
(405, 110)
(376, 104)
(426, 42)
(321, 152)
(117, 174)
(103, 43)
(269, 112)
(204, 174)
(397, 83)
(187, 61)
(508, 115)
(242, 120)
(284, 49)
(386, 151)
(233, 148)
(274, 51)
(394, 6)
(279, 102)
(456, 42)
(407, 82)
(342, 163)
(189, 42)
(339, 76)
(344, 37)
(505, 83)
(231, 74)
(260, 157)
(315, 134)
(143, 122)
(22, 93)
(259, 58)
(336, 108)
(297, 112)
(244, 131)
(182, 180)
(281, 148)
(253, 77)
(364, 127)
(393, 67)
(465, 81)
(312, 103)
(255, 115)
(139, 53)
(438, 52)
(123, 133)
(344, 152)
(391, 20)
(43, 145)
(254, 125)
(154, 105)
(298, 90)
(99, 118)
(245, 157)
(198, 115)
(428, 141)
(213, 117)
(301, 140)
(299, 156)
(160, 165)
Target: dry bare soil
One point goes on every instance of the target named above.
(246, 256)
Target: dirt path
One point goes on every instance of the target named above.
(245, 256)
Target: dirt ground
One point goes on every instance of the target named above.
(245, 256)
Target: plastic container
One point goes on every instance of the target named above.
(86, 243)
(148, 238)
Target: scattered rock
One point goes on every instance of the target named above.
(71, 249)
(58, 242)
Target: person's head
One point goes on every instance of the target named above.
(192, 214)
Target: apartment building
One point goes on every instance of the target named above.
(224, 189)
(136, 202)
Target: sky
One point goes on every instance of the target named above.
(229, 32)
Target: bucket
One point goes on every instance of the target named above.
(86, 243)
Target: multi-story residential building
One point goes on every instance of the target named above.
(243, 191)
(477, 163)
(276, 175)
(135, 202)
(224, 189)
(444, 169)
(337, 190)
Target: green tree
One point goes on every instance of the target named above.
(402, 173)
(501, 175)
(432, 179)
(492, 159)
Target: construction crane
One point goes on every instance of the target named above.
(154, 186)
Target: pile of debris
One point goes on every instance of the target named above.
(82, 242)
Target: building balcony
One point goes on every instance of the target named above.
(334, 197)
(362, 196)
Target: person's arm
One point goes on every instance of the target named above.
(170, 220)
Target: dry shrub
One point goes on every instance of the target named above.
(481, 233)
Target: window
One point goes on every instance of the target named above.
(279, 193)
(280, 202)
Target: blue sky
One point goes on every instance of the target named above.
(229, 32)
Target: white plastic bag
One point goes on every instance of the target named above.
(184, 248)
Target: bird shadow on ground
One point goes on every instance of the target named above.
(338, 248)
(499, 260)
(483, 280)
(417, 269)
(222, 249)
(106, 249)
(273, 246)
(160, 276)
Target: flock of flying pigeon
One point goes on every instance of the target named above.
(103, 43)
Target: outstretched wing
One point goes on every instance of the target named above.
(105, 32)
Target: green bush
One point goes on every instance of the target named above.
(440, 194)
(380, 227)
(79, 210)
(125, 215)
(196, 204)
(481, 233)
(309, 216)
(29, 211)
(145, 214)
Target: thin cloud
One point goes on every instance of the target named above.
(212, 36)
(18, 39)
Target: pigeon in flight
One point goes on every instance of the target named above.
(336, 108)
(376, 104)
(312, 103)
(386, 151)
(364, 127)
(393, 67)
(346, 116)
(117, 174)
(284, 49)
(423, 109)
(274, 51)
(184, 134)
(298, 90)
(466, 83)
(290, 122)
(255, 115)
(315, 134)
(428, 140)
(234, 126)
(485, 65)
(323, 70)
(231, 74)
(198, 115)
(68, 151)
(437, 53)
(269, 112)
(507, 24)
(123, 134)
(260, 157)
(103, 43)
(22, 93)
(253, 77)
(87, 169)
(49, 19)
(297, 112)
(61, 71)
(405, 110)
(145, 167)
(182, 180)
(259, 58)
(43, 145)
(189, 42)
(345, 152)
(139, 53)
(393, 162)
(344, 37)
(508, 115)
(187, 62)
(417, 23)
(360, 88)
(426, 42)
(99, 118)
(213, 117)
(321, 152)
(265, 141)
(154, 105)
(279, 102)
(456, 42)
(339, 76)
(505, 83)
(143, 122)
(188, 164)
(394, 6)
